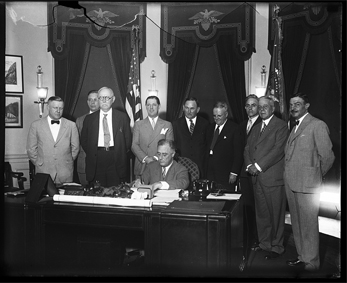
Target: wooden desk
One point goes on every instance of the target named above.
(82, 239)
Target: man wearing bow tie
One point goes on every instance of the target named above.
(308, 157)
(224, 149)
(53, 143)
(264, 160)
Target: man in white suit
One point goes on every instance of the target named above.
(53, 143)
(93, 104)
(308, 157)
(146, 135)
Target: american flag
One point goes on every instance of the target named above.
(275, 87)
(133, 99)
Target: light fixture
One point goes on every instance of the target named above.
(260, 90)
(153, 91)
(41, 91)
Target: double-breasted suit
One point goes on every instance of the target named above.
(267, 150)
(308, 157)
(121, 137)
(53, 157)
(190, 145)
(145, 140)
(227, 154)
(177, 176)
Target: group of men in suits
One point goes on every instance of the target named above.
(269, 166)
(287, 168)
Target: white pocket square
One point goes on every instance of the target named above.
(163, 131)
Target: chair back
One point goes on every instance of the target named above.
(192, 167)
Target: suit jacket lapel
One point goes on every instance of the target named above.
(115, 125)
(268, 129)
(302, 126)
(46, 128)
(62, 129)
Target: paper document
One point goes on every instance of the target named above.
(103, 200)
(225, 197)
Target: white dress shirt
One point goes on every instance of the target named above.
(188, 121)
(54, 128)
(300, 120)
(165, 185)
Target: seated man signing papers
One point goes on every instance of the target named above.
(166, 173)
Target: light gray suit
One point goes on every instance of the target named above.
(81, 159)
(53, 157)
(145, 140)
(308, 157)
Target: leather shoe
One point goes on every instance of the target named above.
(296, 263)
(272, 255)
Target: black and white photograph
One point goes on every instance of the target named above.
(183, 140)
(14, 73)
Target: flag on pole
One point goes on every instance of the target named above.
(133, 98)
(275, 87)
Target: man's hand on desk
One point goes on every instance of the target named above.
(157, 186)
(232, 178)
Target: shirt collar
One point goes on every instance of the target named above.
(300, 120)
(50, 119)
(188, 122)
(221, 126)
(108, 112)
(153, 119)
(167, 167)
(254, 118)
(268, 120)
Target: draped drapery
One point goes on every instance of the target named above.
(233, 72)
(72, 66)
(311, 57)
(72, 34)
(181, 73)
(229, 26)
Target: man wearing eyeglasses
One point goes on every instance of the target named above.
(106, 140)
(53, 143)
(93, 104)
(165, 173)
(264, 160)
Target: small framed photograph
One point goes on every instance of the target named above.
(14, 74)
(14, 111)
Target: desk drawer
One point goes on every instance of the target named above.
(96, 218)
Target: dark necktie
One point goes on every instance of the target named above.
(191, 127)
(55, 122)
(107, 136)
(215, 137)
(263, 129)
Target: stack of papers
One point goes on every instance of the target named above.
(165, 197)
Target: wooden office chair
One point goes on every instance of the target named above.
(193, 169)
(8, 178)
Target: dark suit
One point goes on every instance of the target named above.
(81, 159)
(193, 145)
(247, 187)
(227, 154)
(121, 137)
(177, 175)
(267, 151)
(308, 157)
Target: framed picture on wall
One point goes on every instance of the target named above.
(14, 74)
(14, 111)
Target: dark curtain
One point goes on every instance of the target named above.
(180, 76)
(121, 57)
(69, 72)
(233, 72)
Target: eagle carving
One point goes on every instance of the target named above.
(100, 17)
(206, 18)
